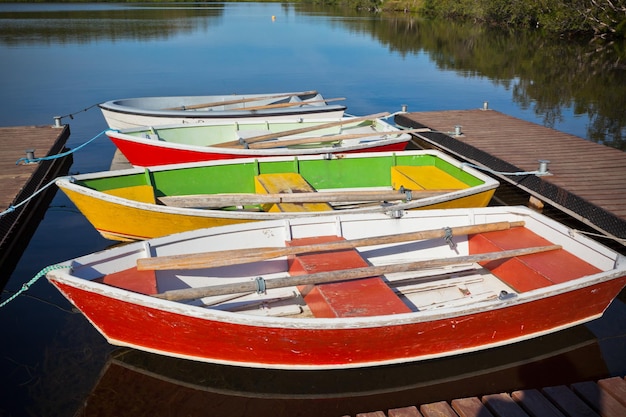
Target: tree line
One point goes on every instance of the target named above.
(586, 18)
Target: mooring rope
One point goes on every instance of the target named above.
(71, 115)
(60, 155)
(34, 279)
(614, 238)
(12, 208)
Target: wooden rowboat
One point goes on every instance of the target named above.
(173, 144)
(152, 111)
(348, 291)
(168, 199)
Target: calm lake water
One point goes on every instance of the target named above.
(61, 60)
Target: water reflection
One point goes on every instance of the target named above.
(115, 22)
(550, 75)
(145, 384)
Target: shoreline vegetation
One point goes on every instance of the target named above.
(582, 19)
(600, 19)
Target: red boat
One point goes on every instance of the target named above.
(173, 144)
(348, 292)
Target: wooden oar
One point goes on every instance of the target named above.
(244, 199)
(328, 138)
(306, 129)
(240, 100)
(261, 284)
(290, 104)
(242, 256)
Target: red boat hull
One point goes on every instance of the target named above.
(179, 335)
(142, 154)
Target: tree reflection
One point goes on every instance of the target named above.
(549, 75)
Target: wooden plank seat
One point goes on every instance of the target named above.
(530, 271)
(353, 298)
(141, 193)
(143, 282)
(423, 178)
(287, 182)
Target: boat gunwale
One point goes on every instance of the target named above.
(278, 151)
(234, 114)
(342, 323)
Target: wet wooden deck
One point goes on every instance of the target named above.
(18, 181)
(586, 180)
(604, 398)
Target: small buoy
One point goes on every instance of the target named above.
(273, 18)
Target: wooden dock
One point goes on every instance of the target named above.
(605, 398)
(584, 179)
(20, 181)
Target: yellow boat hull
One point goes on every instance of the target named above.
(128, 223)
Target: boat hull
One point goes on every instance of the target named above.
(145, 153)
(155, 111)
(168, 333)
(123, 120)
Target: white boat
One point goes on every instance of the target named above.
(351, 291)
(155, 111)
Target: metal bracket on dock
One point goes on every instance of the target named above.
(543, 168)
(30, 157)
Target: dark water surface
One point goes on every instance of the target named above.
(61, 60)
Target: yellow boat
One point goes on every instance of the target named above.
(142, 203)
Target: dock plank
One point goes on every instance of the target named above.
(404, 412)
(438, 409)
(568, 402)
(535, 404)
(20, 181)
(601, 401)
(470, 407)
(605, 398)
(586, 178)
(616, 387)
(502, 405)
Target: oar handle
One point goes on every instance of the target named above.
(242, 256)
(260, 284)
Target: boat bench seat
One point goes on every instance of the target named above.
(352, 298)
(141, 193)
(528, 272)
(143, 282)
(423, 178)
(286, 182)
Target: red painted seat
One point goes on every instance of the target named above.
(528, 272)
(353, 298)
